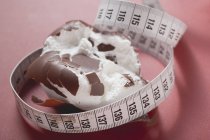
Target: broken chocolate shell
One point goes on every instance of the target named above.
(69, 80)
(38, 70)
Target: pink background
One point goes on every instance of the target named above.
(24, 24)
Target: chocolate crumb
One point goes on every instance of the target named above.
(130, 80)
(112, 58)
(91, 41)
(105, 47)
(48, 102)
(36, 99)
(56, 32)
(95, 55)
(24, 72)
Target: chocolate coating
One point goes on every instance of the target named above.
(54, 73)
(39, 69)
(57, 70)
(86, 63)
(69, 80)
(51, 68)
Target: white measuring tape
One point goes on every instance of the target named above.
(153, 31)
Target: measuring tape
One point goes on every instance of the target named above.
(153, 31)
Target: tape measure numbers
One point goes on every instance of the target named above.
(154, 31)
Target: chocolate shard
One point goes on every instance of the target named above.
(69, 80)
(130, 80)
(35, 70)
(38, 70)
(66, 59)
(93, 78)
(91, 41)
(86, 63)
(112, 58)
(105, 47)
(53, 74)
(97, 89)
(46, 82)
(48, 102)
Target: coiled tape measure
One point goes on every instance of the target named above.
(153, 31)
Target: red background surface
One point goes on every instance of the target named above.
(24, 24)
